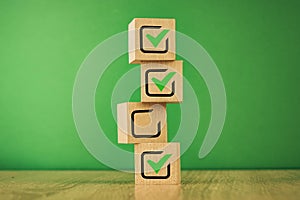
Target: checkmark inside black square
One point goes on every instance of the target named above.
(148, 93)
(142, 48)
(143, 166)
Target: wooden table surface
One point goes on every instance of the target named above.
(202, 184)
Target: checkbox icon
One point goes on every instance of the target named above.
(154, 39)
(140, 122)
(157, 165)
(162, 82)
(151, 40)
(148, 134)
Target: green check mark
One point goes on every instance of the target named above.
(156, 40)
(161, 84)
(157, 166)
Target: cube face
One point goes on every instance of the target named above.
(157, 163)
(164, 192)
(162, 82)
(151, 39)
(141, 123)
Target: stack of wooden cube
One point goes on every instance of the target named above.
(144, 124)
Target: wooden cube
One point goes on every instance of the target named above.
(162, 82)
(151, 39)
(141, 122)
(157, 163)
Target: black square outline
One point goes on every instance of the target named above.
(143, 167)
(142, 44)
(147, 72)
(144, 136)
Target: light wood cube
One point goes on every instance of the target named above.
(162, 82)
(157, 163)
(151, 39)
(141, 122)
(163, 192)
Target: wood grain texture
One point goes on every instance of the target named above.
(225, 184)
(151, 69)
(169, 172)
(149, 124)
(134, 51)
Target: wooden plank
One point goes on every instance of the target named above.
(201, 184)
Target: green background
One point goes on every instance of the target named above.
(255, 45)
